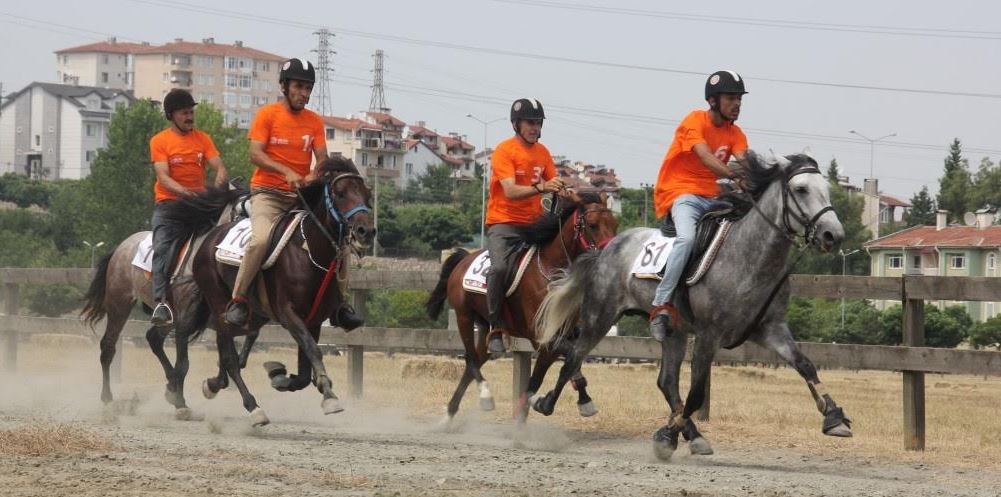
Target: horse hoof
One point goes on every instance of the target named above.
(665, 442)
(171, 397)
(700, 447)
(841, 430)
(331, 406)
(487, 404)
(542, 404)
(207, 390)
(183, 414)
(587, 409)
(258, 418)
(281, 383)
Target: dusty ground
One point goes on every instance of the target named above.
(56, 439)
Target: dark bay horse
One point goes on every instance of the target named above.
(743, 296)
(118, 284)
(300, 288)
(585, 224)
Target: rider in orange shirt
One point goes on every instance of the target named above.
(521, 169)
(686, 185)
(179, 155)
(285, 138)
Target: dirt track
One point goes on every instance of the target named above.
(382, 453)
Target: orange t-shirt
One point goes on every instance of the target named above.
(527, 165)
(185, 155)
(682, 172)
(289, 138)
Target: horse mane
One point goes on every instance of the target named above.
(548, 226)
(203, 209)
(327, 169)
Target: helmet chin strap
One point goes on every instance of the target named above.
(517, 131)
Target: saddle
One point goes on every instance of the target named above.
(475, 278)
(143, 259)
(708, 236)
(230, 250)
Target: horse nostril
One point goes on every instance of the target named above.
(828, 239)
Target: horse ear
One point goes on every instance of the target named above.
(809, 153)
(779, 160)
(604, 197)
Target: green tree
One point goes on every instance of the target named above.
(433, 186)
(118, 194)
(987, 334)
(943, 328)
(955, 184)
(232, 142)
(986, 185)
(922, 212)
(401, 309)
(833, 172)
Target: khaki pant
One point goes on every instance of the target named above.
(265, 207)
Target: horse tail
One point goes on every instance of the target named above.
(94, 309)
(560, 308)
(436, 302)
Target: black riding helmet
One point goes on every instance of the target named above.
(296, 69)
(177, 99)
(527, 108)
(724, 82)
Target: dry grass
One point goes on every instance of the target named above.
(45, 439)
(751, 407)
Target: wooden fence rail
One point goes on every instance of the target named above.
(912, 359)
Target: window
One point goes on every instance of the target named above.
(66, 59)
(208, 98)
(204, 60)
(245, 100)
(90, 130)
(245, 119)
(38, 140)
(957, 261)
(894, 261)
(232, 81)
(992, 262)
(231, 63)
(104, 77)
(410, 169)
(916, 262)
(364, 159)
(394, 162)
(166, 77)
(104, 59)
(330, 133)
(262, 65)
(229, 99)
(90, 155)
(245, 82)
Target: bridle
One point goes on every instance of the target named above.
(341, 219)
(583, 234)
(798, 215)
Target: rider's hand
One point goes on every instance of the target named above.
(567, 193)
(552, 185)
(295, 180)
(311, 177)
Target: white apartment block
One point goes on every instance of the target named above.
(373, 140)
(54, 131)
(235, 78)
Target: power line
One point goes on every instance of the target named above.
(65, 26)
(762, 22)
(325, 67)
(552, 58)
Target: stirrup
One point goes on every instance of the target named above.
(162, 322)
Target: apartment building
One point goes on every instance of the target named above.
(373, 140)
(107, 64)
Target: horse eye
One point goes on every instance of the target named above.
(802, 190)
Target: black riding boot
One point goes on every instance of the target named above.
(346, 318)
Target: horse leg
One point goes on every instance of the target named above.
(112, 330)
(248, 343)
(304, 338)
(543, 362)
(571, 366)
(230, 361)
(182, 334)
(585, 405)
(155, 336)
(777, 337)
(666, 438)
(466, 333)
(672, 354)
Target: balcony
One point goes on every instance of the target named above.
(181, 82)
(382, 145)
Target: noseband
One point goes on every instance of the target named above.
(340, 218)
(799, 215)
(583, 234)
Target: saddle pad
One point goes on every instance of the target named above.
(650, 262)
(475, 279)
(144, 255)
(232, 247)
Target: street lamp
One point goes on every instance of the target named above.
(872, 146)
(646, 196)
(844, 267)
(483, 185)
(93, 248)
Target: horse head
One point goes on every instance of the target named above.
(594, 224)
(806, 210)
(347, 201)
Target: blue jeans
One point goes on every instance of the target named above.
(686, 212)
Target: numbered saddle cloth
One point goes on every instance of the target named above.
(650, 262)
(475, 279)
(230, 251)
(143, 259)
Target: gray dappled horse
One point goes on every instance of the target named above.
(118, 284)
(743, 296)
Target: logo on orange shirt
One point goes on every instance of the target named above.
(278, 141)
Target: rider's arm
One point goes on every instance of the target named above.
(220, 171)
(320, 152)
(715, 165)
(515, 191)
(163, 176)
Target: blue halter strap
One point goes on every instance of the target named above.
(341, 219)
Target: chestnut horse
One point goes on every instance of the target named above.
(586, 224)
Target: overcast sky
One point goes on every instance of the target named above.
(619, 99)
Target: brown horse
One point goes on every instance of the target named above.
(299, 289)
(118, 284)
(584, 225)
